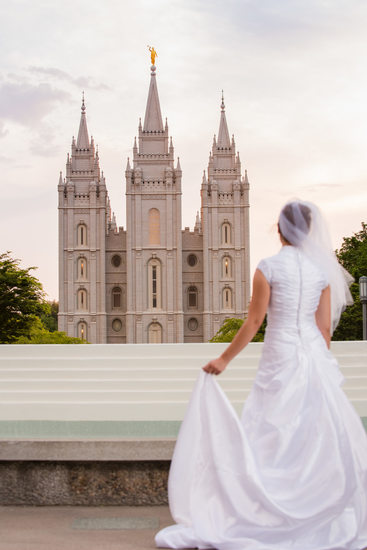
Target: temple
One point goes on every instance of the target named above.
(152, 282)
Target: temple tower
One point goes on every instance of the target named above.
(153, 233)
(83, 213)
(225, 227)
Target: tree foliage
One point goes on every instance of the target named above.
(353, 257)
(38, 334)
(350, 324)
(49, 318)
(228, 330)
(25, 316)
(230, 327)
(22, 299)
(353, 253)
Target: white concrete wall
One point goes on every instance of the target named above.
(135, 382)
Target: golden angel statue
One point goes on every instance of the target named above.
(153, 54)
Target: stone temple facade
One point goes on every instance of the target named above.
(152, 282)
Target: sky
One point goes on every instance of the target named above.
(295, 87)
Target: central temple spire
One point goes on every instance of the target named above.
(153, 118)
(223, 141)
(83, 138)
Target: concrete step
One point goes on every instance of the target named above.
(111, 410)
(164, 355)
(137, 373)
(95, 411)
(112, 395)
(101, 384)
(357, 381)
(89, 383)
(119, 351)
(156, 350)
(124, 363)
(59, 367)
(148, 392)
(355, 393)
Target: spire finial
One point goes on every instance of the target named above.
(153, 55)
(83, 104)
(222, 104)
(246, 177)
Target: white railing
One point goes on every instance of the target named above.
(134, 382)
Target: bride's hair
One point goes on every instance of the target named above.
(294, 222)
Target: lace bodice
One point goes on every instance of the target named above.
(296, 285)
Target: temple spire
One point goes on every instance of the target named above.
(83, 138)
(197, 223)
(223, 141)
(153, 117)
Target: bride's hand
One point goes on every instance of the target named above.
(216, 366)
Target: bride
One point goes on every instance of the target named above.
(292, 473)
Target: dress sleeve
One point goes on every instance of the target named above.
(265, 269)
(325, 280)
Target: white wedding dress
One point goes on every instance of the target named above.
(292, 473)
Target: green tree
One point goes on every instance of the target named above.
(230, 327)
(350, 324)
(38, 334)
(353, 257)
(260, 335)
(228, 330)
(353, 253)
(22, 299)
(49, 318)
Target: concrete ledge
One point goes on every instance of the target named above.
(101, 450)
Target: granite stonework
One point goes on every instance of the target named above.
(83, 483)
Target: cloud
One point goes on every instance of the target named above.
(3, 130)
(5, 160)
(86, 82)
(322, 186)
(28, 104)
(44, 144)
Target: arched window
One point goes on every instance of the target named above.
(82, 330)
(82, 299)
(154, 226)
(82, 268)
(116, 297)
(82, 234)
(192, 296)
(226, 233)
(155, 333)
(227, 298)
(154, 284)
(227, 267)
